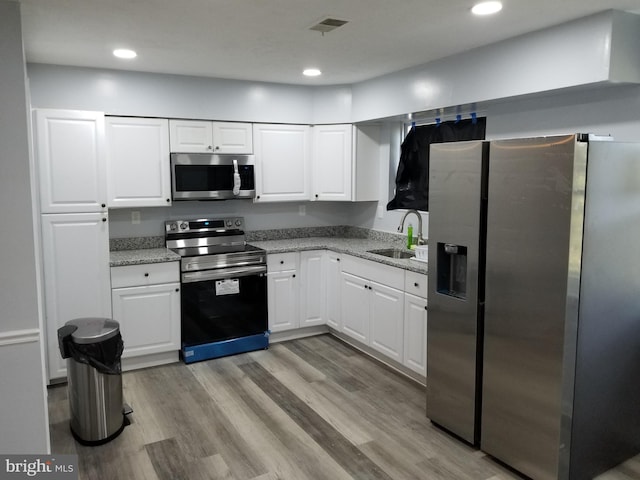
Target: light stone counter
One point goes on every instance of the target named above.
(358, 247)
(140, 256)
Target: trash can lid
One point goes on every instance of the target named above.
(93, 330)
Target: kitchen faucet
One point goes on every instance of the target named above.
(401, 227)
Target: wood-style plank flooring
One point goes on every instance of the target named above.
(313, 408)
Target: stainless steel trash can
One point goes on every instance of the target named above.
(93, 349)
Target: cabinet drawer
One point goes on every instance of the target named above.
(145, 274)
(374, 271)
(416, 283)
(279, 262)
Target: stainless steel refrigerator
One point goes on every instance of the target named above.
(533, 336)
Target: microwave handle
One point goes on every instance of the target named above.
(236, 178)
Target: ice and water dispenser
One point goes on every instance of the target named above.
(452, 270)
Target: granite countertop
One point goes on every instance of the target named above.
(137, 251)
(358, 247)
(140, 256)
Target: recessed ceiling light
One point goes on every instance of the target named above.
(311, 72)
(124, 53)
(486, 8)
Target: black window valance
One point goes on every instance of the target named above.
(412, 178)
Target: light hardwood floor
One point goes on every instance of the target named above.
(312, 408)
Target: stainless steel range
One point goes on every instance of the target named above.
(224, 288)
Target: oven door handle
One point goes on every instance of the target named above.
(223, 273)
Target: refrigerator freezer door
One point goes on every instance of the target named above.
(533, 186)
(455, 262)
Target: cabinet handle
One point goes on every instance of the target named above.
(425, 307)
(104, 205)
(338, 259)
(177, 290)
(104, 219)
(294, 275)
(316, 195)
(416, 284)
(281, 262)
(209, 147)
(258, 197)
(217, 147)
(146, 274)
(168, 200)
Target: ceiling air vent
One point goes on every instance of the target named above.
(327, 25)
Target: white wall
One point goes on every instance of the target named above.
(118, 92)
(569, 55)
(23, 409)
(262, 216)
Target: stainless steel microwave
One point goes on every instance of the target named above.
(203, 176)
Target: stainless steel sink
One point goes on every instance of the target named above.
(393, 253)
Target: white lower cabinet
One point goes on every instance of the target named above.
(146, 303)
(283, 291)
(75, 248)
(355, 307)
(381, 306)
(373, 305)
(415, 333)
(386, 320)
(333, 272)
(312, 288)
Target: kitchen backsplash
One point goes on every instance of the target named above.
(133, 243)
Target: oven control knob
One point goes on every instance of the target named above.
(229, 223)
(173, 227)
(238, 223)
(184, 225)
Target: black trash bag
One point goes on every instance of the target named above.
(412, 178)
(104, 355)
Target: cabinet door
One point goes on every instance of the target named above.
(415, 334)
(282, 167)
(355, 307)
(333, 274)
(191, 136)
(386, 320)
(367, 149)
(76, 275)
(149, 318)
(138, 162)
(71, 161)
(331, 160)
(232, 137)
(312, 292)
(282, 294)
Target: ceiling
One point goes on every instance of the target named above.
(270, 40)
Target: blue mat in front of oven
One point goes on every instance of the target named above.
(197, 353)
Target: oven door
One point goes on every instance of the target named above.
(223, 304)
(211, 177)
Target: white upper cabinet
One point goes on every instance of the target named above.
(138, 162)
(200, 136)
(231, 137)
(282, 155)
(71, 161)
(346, 163)
(332, 162)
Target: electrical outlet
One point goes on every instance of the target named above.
(135, 217)
(302, 210)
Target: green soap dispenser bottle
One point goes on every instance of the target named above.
(409, 236)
